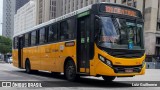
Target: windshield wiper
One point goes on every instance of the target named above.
(117, 27)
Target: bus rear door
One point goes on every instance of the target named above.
(20, 51)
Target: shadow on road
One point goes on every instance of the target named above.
(82, 82)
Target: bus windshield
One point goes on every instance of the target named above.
(119, 33)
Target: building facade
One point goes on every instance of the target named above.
(151, 28)
(25, 17)
(8, 18)
(20, 3)
(42, 8)
(72, 5)
(47, 10)
(50, 9)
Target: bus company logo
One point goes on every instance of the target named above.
(6, 84)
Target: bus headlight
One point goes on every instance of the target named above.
(108, 63)
(104, 60)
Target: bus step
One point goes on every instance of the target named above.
(85, 74)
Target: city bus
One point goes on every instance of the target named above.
(102, 40)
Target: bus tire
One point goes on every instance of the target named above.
(28, 67)
(108, 78)
(70, 71)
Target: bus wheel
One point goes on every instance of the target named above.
(28, 67)
(70, 71)
(108, 78)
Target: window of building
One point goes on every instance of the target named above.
(67, 30)
(157, 46)
(42, 38)
(91, 1)
(33, 38)
(123, 1)
(157, 51)
(158, 26)
(158, 40)
(132, 3)
(73, 4)
(129, 4)
(52, 33)
(107, 0)
(81, 3)
(40, 11)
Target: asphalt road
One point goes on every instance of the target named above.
(10, 73)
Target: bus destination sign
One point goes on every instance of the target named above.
(119, 10)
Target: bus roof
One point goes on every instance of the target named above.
(69, 15)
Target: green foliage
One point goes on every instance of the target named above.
(5, 45)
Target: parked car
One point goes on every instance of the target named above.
(10, 60)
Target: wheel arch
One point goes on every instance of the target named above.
(27, 59)
(68, 59)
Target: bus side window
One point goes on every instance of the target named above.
(23, 41)
(52, 33)
(46, 34)
(67, 29)
(15, 43)
(33, 38)
(42, 36)
(71, 28)
(26, 40)
(29, 39)
(63, 31)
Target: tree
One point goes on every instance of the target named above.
(5, 45)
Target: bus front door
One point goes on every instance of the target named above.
(20, 51)
(83, 45)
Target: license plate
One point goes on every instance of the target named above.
(129, 70)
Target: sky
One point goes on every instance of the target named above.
(1, 13)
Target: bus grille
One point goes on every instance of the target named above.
(121, 69)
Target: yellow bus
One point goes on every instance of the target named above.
(101, 39)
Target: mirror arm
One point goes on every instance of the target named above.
(97, 16)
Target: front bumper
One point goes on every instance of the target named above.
(103, 69)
